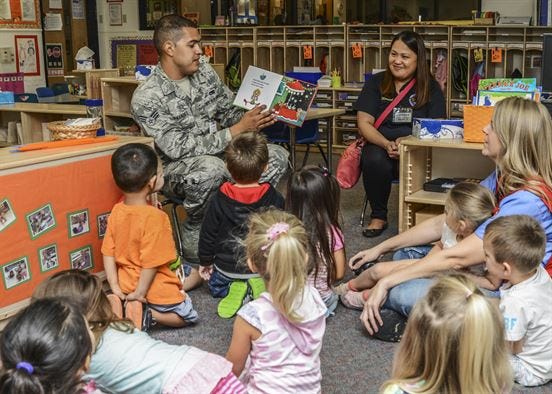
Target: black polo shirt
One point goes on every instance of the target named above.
(371, 102)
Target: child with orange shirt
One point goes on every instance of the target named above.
(138, 246)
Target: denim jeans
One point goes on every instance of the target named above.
(219, 284)
(404, 296)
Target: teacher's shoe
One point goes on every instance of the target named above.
(374, 232)
(393, 326)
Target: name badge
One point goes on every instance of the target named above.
(213, 127)
(402, 115)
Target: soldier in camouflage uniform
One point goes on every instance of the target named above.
(188, 111)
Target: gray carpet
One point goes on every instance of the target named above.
(351, 361)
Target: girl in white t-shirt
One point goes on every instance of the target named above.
(467, 205)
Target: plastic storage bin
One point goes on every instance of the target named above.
(306, 77)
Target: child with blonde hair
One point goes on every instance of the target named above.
(514, 248)
(277, 338)
(453, 343)
(313, 196)
(467, 205)
(127, 360)
(138, 246)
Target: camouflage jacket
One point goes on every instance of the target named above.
(179, 123)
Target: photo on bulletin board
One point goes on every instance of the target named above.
(48, 257)
(26, 55)
(81, 259)
(78, 222)
(19, 14)
(7, 215)
(16, 272)
(102, 224)
(41, 221)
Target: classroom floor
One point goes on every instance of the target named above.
(351, 361)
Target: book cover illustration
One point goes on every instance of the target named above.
(508, 84)
(289, 98)
(490, 98)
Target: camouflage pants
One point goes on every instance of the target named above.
(195, 179)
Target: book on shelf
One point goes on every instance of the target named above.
(289, 98)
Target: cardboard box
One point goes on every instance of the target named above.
(475, 119)
(432, 129)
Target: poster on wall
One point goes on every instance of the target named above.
(115, 14)
(147, 54)
(126, 56)
(26, 55)
(77, 8)
(54, 59)
(12, 82)
(19, 14)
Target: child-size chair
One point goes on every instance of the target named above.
(308, 135)
(44, 92)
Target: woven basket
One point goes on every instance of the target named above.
(59, 131)
(475, 118)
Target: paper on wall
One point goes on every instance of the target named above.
(53, 22)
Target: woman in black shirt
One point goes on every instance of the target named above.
(380, 164)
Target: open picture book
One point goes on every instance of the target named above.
(289, 98)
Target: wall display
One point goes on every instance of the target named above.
(81, 259)
(26, 55)
(40, 221)
(20, 14)
(16, 272)
(102, 224)
(150, 11)
(12, 82)
(145, 51)
(78, 223)
(126, 56)
(78, 9)
(54, 59)
(48, 257)
(67, 187)
(115, 12)
(7, 215)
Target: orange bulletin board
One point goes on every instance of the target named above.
(51, 219)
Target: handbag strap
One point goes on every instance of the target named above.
(394, 103)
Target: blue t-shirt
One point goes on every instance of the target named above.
(522, 202)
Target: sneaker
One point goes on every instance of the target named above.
(393, 326)
(116, 305)
(257, 286)
(231, 304)
(341, 289)
(353, 300)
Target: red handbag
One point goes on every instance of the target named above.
(348, 166)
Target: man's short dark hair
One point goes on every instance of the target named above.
(247, 157)
(133, 165)
(169, 28)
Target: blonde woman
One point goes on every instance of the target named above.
(518, 140)
(281, 331)
(453, 343)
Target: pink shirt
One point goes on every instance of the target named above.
(286, 357)
(321, 281)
